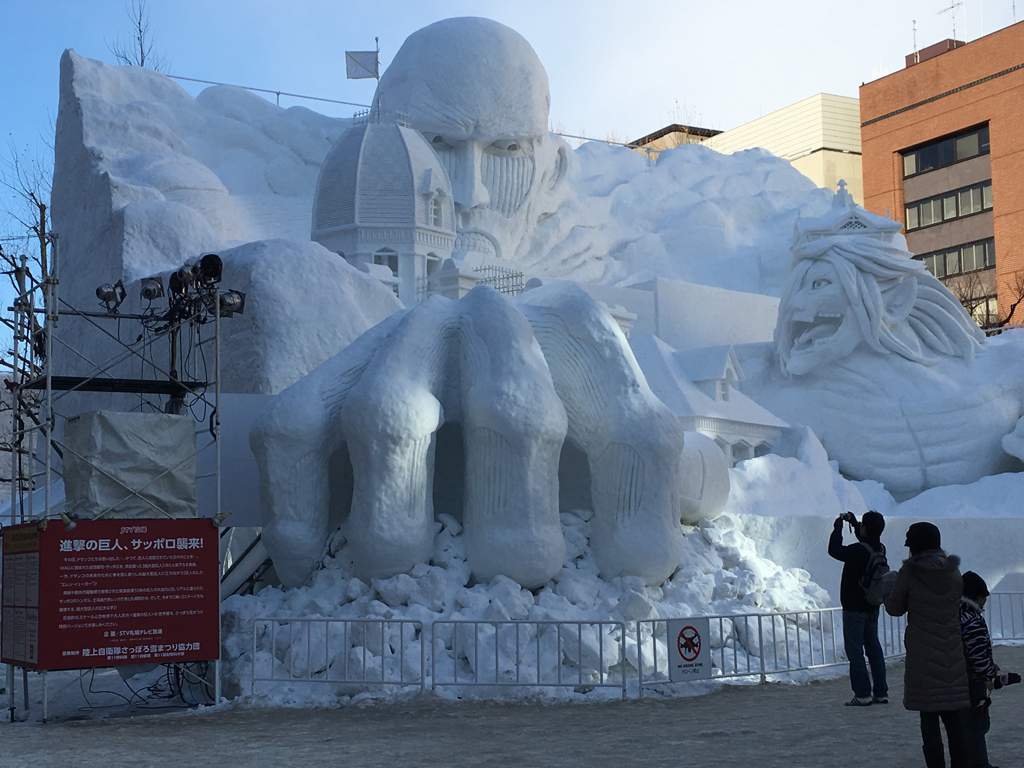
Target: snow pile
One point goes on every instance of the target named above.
(786, 505)
(695, 215)
(720, 572)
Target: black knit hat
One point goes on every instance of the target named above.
(922, 537)
(974, 586)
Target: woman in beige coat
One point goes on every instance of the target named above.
(928, 589)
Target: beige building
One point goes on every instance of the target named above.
(819, 135)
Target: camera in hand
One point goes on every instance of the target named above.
(1006, 678)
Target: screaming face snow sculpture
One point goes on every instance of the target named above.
(880, 359)
(478, 93)
(358, 439)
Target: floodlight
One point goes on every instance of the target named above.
(152, 288)
(179, 282)
(111, 296)
(210, 269)
(69, 521)
(232, 303)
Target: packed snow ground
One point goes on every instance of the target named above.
(774, 726)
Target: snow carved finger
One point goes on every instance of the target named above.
(634, 444)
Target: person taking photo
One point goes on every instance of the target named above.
(864, 568)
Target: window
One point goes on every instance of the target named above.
(986, 312)
(952, 262)
(387, 258)
(912, 217)
(437, 211)
(968, 262)
(970, 201)
(950, 205)
(944, 152)
(969, 257)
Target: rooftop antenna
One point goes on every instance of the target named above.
(951, 10)
(917, 56)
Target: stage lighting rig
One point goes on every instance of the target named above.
(232, 303)
(209, 269)
(111, 296)
(152, 288)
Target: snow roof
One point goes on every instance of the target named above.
(845, 218)
(709, 363)
(669, 380)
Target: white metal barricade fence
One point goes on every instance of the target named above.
(529, 654)
(1004, 613)
(762, 644)
(559, 654)
(363, 653)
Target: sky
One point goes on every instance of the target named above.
(617, 69)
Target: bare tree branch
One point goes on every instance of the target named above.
(137, 51)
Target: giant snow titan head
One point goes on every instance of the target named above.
(850, 291)
(479, 95)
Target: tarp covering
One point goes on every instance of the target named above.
(109, 454)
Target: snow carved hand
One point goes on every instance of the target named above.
(526, 381)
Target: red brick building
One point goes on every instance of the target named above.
(943, 151)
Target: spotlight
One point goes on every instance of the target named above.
(111, 296)
(152, 288)
(69, 522)
(179, 282)
(210, 269)
(232, 303)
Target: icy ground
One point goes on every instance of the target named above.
(742, 726)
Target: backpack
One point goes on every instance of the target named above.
(874, 581)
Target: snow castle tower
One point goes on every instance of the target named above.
(384, 203)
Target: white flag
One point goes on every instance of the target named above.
(361, 64)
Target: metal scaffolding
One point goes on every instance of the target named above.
(35, 391)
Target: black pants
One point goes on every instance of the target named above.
(979, 725)
(956, 734)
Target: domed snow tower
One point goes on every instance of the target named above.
(383, 198)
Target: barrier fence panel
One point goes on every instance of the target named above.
(366, 653)
(1004, 613)
(762, 644)
(529, 654)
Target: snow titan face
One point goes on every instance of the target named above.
(848, 291)
(478, 93)
(521, 379)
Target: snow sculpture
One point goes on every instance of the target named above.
(881, 360)
(520, 379)
(478, 93)
(383, 198)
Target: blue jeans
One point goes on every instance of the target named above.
(860, 637)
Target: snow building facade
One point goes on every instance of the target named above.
(384, 203)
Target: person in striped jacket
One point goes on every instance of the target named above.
(982, 672)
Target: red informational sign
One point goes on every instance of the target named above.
(109, 593)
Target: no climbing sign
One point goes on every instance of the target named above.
(689, 647)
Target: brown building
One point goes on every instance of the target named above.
(943, 150)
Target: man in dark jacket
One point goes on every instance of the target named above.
(928, 589)
(860, 619)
